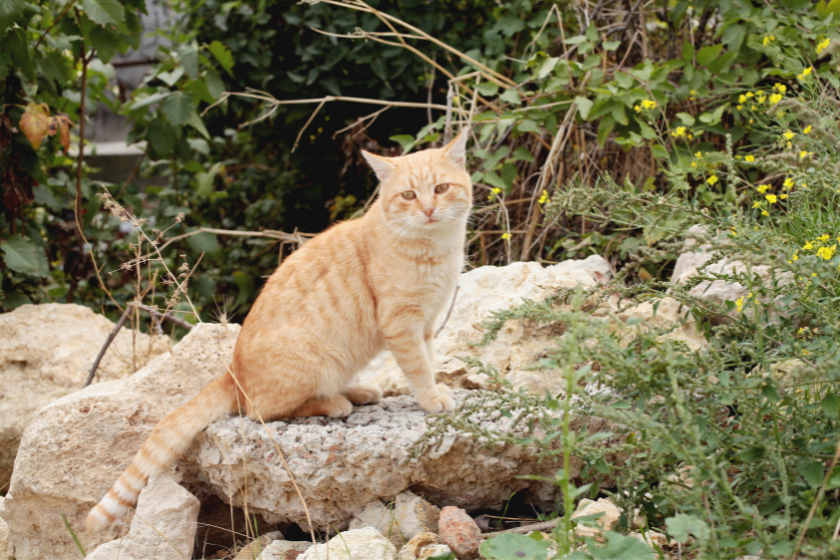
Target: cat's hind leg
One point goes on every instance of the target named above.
(336, 407)
(363, 394)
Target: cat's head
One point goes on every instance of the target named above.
(426, 192)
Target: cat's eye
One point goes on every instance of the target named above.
(409, 195)
(442, 188)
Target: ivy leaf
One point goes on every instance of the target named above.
(35, 123)
(10, 10)
(21, 255)
(681, 526)
(813, 474)
(105, 12)
(178, 108)
(222, 54)
(509, 546)
(707, 54)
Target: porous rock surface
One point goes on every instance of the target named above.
(163, 528)
(459, 532)
(339, 464)
(76, 447)
(46, 352)
(517, 346)
(5, 549)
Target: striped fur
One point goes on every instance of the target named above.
(361, 286)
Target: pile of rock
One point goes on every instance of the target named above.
(353, 473)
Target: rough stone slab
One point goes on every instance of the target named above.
(46, 352)
(163, 527)
(76, 447)
(340, 464)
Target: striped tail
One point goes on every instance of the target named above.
(171, 438)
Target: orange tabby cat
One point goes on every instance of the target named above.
(360, 287)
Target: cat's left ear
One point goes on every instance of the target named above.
(456, 150)
(380, 165)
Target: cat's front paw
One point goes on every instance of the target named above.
(439, 399)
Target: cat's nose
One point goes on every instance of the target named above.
(429, 211)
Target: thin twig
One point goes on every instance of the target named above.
(54, 23)
(308, 122)
(816, 502)
(447, 129)
(448, 313)
(133, 173)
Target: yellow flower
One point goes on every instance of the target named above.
(771, 198)
(807, 71)
(762, 188)
(712, 180)
(739, 107)
(756, 204)
(824, 237)
(733, 232)
(804, 186)
(775, 98)
(781, 88)
(638, 109)
(505, 236)
(493, 192)
(690, 136)
(739, 304)
(783, 196)
(680, 131)
(761, 98)
(826, 253)
(693, 164)
(788, 183)
(789, 145)
(749, 158)
(544, 197)
(808, 246)
(765, 213)
(699, 155)
(742, 98)
(788, 135)
(803, 154)
(795, 257)
(648, 104)
(823, 45)
(750, 94)
(807, 129)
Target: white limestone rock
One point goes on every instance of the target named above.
(163, 527)
(76, 447)
(408, 516)
(361, 544)
(46, 352)
(482, 291)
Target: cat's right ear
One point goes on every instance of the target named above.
(380, 165)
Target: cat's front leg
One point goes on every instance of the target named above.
(411, 350)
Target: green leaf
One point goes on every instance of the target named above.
(214, 83)
(584, 105)
(406, 141)
(686, 118)
(196, 122)
(487, 88)
(509, 546)
(681, 526)
(178, 108)
(547, 67)
(21, 255)
(687, 51)
(55, 66)
(492, 179)
(522, 153)
(510, 96)
(10, 10)
(831, 405)
(189, 59)
(611, 45)
(619, 547)
(527, 125)
(161, 136)
(813, 474)
(104, 41)
(104, 12)
(752, 454)
(204, 184)
(222, 54)
(15, 43)
(204, 242)
(707, 54)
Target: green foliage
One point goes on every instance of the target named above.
(509, 546)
